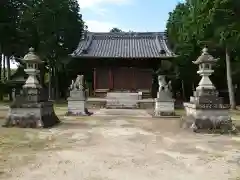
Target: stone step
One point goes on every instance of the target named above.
(122, 100)
(115, 95)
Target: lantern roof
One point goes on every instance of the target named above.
(31, 57)
(205, 57)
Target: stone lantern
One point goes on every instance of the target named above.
(205, 63)
(206, 110)
(29, 110)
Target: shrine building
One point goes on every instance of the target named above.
(122, 61)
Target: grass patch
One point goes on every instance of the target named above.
(60, 103)
(180, 112)
(5, 103)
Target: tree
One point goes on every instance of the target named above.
(116, 30)
(178, 30)
(53, 28)
(219, 24)
(194, 24)
(9, 18)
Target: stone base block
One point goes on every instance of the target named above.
(121, 104)
(164, 108)
(77, 108)
(77, 94)
(122, 100)
(32, 115)
(211, 120)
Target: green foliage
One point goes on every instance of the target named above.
(53, 27)
(9, 18)
(183, 42)
(116, 30)
(213, 23)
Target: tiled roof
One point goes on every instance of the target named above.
(124, 44)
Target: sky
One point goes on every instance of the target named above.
(133, 15)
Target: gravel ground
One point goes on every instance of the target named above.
(121, 148)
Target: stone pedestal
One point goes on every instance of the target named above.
(164, 105)
(77, 98)
(77, 103)
(206, 111)
(31, 115)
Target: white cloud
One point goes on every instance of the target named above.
(94, 3)
(98, 7)
(103, 12)
(99, 26)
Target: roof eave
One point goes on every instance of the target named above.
(111, 57)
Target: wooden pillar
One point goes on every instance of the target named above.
(133, 79)
(94, 81)
(110, 79)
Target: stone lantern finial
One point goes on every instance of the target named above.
(205, 50)
(31, 50)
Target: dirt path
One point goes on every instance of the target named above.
(122, 148)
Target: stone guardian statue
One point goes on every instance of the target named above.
(161, 82)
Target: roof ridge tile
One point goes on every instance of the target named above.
(124, 44)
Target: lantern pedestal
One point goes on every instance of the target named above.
(32, 108)
(31, 115)
(206, 111)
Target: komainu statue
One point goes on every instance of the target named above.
(163, 86)
(77, 84)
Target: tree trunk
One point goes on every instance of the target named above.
(0, 63)
(42, 75)
(53, 83)
(4, 68)
(8, 68)
(183, 91)
(229, 81)
(50, 83)
(56, 84)
(1, 60)
(8, 76)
